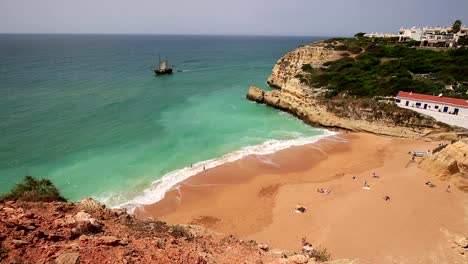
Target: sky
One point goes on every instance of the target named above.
(222, 17)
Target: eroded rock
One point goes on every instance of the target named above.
(68, 258)
(255, 94)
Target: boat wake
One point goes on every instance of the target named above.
(158, 188)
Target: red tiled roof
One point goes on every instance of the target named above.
(431, 98)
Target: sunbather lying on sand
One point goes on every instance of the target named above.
(430, 184)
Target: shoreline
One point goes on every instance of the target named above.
(159, 188)
(264, 164)
(254, 198)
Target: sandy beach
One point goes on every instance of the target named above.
(255, 198)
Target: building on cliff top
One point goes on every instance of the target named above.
(441, 104)
(428, 36)
(433, 36)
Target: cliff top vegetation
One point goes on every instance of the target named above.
(382, 67)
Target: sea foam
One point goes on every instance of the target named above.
(158, 188)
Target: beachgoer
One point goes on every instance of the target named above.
(448, 188)
(191, 165)
(307, 247)
(300, 208)
(387, 198)
(203, 168)
(430, 184)
(354, 177)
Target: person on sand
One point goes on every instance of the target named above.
(366, 185)
(306, 246)
(430, 184)
(448, 188)
(387, 198)
(203, 168)
(300, 209)
(375, 175)
(354, 177)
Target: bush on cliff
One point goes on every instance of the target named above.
(34, 190)
(382, 68)
(180, 231)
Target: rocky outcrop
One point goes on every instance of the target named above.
(316, 115)
(285, 70)
(450, 164)
(303, 101)
(255, 94)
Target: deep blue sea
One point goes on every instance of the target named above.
(87, 111)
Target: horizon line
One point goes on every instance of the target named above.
(166, 34)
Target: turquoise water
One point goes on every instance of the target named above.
(87, 112)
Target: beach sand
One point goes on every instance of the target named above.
(255, 197)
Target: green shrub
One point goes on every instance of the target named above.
(307, 67)
(439, 148)
(413, 43)
(383, 68)
(180, 231)
(320, 254)
(33, 190)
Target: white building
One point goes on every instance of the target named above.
(381, 35)
(432, 36)
(407, 34)
(433, 103)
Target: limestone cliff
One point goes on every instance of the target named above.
(285, 70)
(306, 102)
(450, 163)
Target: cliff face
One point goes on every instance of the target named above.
(311, 112)
(304, 101)
(285, 70)
(450, 164)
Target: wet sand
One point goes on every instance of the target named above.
(255, 197)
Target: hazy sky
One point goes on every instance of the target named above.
(250, 17)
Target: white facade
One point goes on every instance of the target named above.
(410, 34)
(432, 106)
(381, 35)
(432, 36)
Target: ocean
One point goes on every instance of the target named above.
(87, 112)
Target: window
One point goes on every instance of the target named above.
(397, 101)
(436, 107)
(418, 104)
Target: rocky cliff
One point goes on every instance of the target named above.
(308, 103)
(450, 164)
(285, 70)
